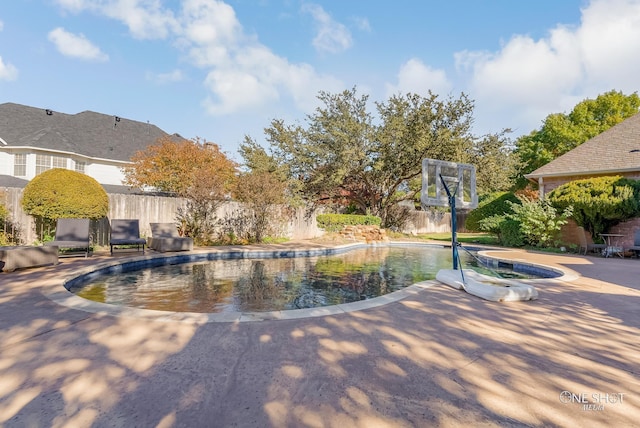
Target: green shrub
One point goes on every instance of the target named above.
(539, 222)
(61, 193)
(335, 222)
(494, 204)
(506, 229)
(599, 203)
(511, 233)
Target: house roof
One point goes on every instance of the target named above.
(616, 150)
(87, 133)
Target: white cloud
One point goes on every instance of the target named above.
(76, 45)
(528, 79)
(414, 76)
(7, 71)
(163, 78)
(242, 73)
(211, 30)
(332, 36)
(146, 19)
(363, 24)
(609, 41)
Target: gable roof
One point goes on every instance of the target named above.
(87, 133)
(614, 151)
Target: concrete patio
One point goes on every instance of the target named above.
(436, 357)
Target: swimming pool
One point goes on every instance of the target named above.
(252, 284)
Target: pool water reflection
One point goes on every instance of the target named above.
(246, 285)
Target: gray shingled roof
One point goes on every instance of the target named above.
(9, 181)
(616, 150)
(88, 133)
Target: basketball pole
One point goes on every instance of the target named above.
(454, 226)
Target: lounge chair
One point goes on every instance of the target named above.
(585, 245)
(635, 248)
(72, 234)
(165, 237)
(126, 232)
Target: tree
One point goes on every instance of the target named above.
(343, 158)
(263, 193)
(195, 170)
(62, 193)
(563, 132)
(496, 164)
(258, 161)
(176, 166)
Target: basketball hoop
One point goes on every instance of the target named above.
(449, 184)
(437, 175)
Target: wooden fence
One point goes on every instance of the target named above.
(160, 209)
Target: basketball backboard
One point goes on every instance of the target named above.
(460, 178)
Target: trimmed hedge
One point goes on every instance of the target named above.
(58, 193)
(492, 205)
(599, 203)
(335, 222)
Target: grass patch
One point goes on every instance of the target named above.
(468, 238)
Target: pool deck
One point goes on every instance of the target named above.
(434, 356)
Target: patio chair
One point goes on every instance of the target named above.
(635, 248)
(165, 237)
(125, 232)
(585, 245)
(72, 234)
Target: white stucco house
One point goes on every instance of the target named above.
(33, 140)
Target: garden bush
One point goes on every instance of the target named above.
(539, 222)
(491, 205)
(61, 193)
(511, 233)
(335, 222)
(599, 203)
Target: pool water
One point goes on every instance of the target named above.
(257, 285)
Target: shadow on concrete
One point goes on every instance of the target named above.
(439, 358)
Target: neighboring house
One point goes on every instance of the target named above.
(614, 152)
(33, 140)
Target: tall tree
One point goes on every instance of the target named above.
(496, 163)
(348, 157)
(264, 194)
(177, 166)
(196, 170)
(563, 132)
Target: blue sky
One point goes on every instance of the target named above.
(222, 70)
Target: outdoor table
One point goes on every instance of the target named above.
(611, 240)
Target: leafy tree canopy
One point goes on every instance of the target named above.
(563, 132)
(62, 193)
(496, 163)
(261, 191)
(347, 157)
(179, 167)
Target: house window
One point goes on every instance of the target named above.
(80, 166)
(20, 165)
(58, 162)
(43, 163)
(46, 162)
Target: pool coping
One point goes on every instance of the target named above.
(70, 300)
